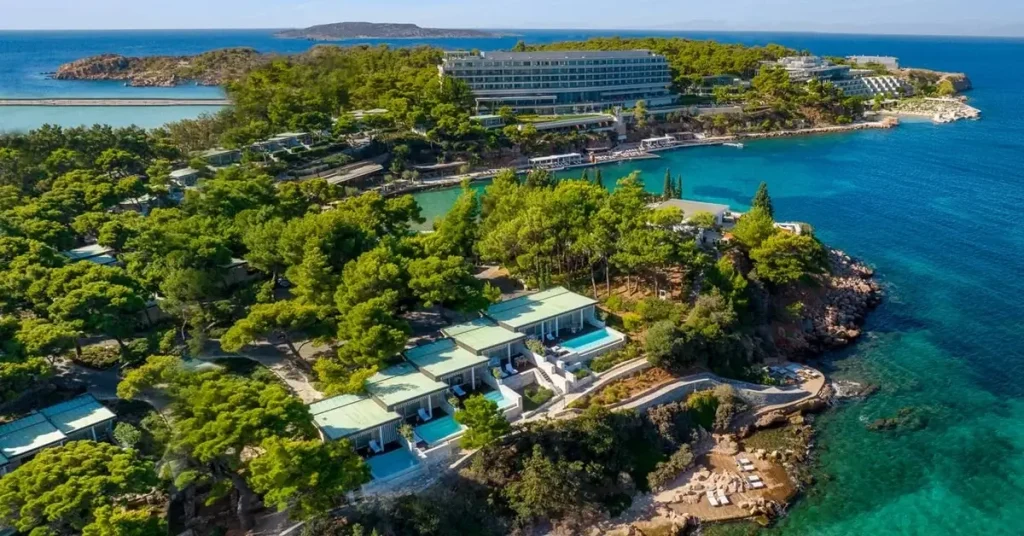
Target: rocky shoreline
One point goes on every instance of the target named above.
(212, 68)
(833, 316)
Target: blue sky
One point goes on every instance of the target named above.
(948, 17)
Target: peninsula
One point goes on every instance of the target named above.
(211, 68)
(371, 30)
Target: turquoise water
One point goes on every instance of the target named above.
(21, 118)
(439, 429)
(499, 399)
(936, 209)
(394, 462)
(590, 341)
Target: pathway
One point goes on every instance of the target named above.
(277, 361)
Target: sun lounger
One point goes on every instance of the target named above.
(416, 439)
(511, 371)
(712, 499)
(457, 389)
(722, 498)
(424, 416)
(757, 485)
(753, 478)
(375, 447)
(743, 461)
(748, 468)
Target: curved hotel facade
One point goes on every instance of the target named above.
(560, 82)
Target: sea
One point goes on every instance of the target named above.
(935, 209)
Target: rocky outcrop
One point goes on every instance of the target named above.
(905, 419)
(832, 319)
(209, 68)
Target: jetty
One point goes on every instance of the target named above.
(101, 101)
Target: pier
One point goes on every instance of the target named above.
(113, 102)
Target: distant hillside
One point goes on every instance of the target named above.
(372, 30)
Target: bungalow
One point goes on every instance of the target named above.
(486, 338)
(93, 253)
(359, 419)
(221, 157)
(184, 178)
(544, 313)
(79, 418)
(446, 362)
(488, 121)
(690, 208)
(406, 391)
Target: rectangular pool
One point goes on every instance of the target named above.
(383, 466)
(439, 429)
(592, 341)
(498, 398)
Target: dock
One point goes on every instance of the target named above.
(114, 102)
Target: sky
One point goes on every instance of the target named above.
(936, 17)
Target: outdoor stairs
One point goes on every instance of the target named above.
(546, 380)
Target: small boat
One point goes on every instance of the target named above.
(733, 144)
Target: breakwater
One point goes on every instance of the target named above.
(114, 102)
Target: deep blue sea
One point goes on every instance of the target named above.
(935, 209)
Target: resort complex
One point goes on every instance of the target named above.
(490, 356)
(561, 82)
(853, 82)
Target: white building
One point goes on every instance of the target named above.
(561, 81)
(557, 161)
(79, 418)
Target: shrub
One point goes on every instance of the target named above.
(98, 357)
(538, 395)
(659, 342)
(619, 304)
(632, 322)
(608, 361)
(535, 346)
(668, 470)
(126, 435)
(581, 373)
(652, 310)
(139, 349)
(702, 406)
(672, 422)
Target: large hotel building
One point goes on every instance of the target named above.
(561, 81)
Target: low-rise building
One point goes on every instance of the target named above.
(93, 253)
(578, 123)
(488, 121)
(889, 62)
(221, 157)
(869, 86)
(79, 418)
(557, 161)
(805, 68)
(184, 178)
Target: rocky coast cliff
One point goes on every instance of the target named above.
(209, 68)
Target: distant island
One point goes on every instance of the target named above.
(372, 30)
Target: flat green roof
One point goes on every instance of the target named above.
(346, 415)
(534, 308)
(400, 384)
(482, 334)
(77, 414)
(443, 357)
(28, 435)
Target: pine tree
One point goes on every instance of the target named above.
(763, 200)
(667, 188)
(679, 187)
(597, 178)
(585, 177)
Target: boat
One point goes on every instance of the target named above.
(733, 144)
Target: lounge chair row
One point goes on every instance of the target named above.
(718, 498)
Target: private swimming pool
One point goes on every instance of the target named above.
(383, 466)
(439, 429)
(593, 341)
(499, 399)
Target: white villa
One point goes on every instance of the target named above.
(486, 356)
(79, 418)
(93, 253)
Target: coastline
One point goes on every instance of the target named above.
(650, 154)
(101, 101)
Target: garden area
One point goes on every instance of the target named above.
(624, 389)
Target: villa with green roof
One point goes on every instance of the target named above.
(548, 312)
(79, 418)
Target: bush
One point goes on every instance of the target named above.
(608, 361)
(581, 373)
(703, 406)
(538, 395)
(618, 304)
(299, 149)
(535, 346)
(660, 342)
(653, 310)
(632, 322)
(668, 470)
(139, 349)
(98, 357)
(126, 435)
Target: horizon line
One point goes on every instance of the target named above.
(567, 29)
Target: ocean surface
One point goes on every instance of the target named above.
(935, 209)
